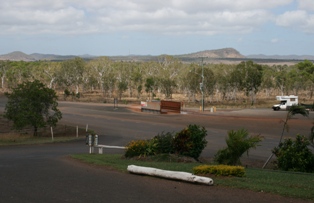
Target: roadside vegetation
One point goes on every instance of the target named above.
(244, 85)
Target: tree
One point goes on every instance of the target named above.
(122, 87)
(150, 86)
(250, 78)
(306, 69)
(4, 66)
(19, 71)
(71, 73)
(32, 104)
(167, 85)
(101, 66)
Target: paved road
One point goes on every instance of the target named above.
(119, 126)
(44, 173)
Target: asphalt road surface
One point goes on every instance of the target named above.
(44, 173)
(120, 126)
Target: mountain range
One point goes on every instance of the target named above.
(223, 54)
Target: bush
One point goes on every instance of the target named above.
(218, 170)
(294, 155)
(163, 143)
(190, 141)
(238, 142)
(137, 148)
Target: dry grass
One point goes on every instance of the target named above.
(61, 132)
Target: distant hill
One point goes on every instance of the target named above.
(17, 56)
(218, 53)
(226, 55)
(20, 56)
(51, 57)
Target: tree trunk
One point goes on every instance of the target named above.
(35, 131)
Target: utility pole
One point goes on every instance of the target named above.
(202, 85)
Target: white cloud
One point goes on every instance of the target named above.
(306, 5)
(298, 20)
(162, 16)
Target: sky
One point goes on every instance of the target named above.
(155, 27)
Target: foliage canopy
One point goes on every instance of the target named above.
(294, 155)
(32, 104)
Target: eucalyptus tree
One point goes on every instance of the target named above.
(133, 77)
(4, 67)
(209, 80)
(281, 78)
(46, 72)
(122, 73)
(89, 79)
(306, 66)
(150, 87)
(169, 68)
(251, 78)
(235, 78)
(137, 77)
(99, 68)
(268, 80)
(296, 80)
(110, 80)
(167, 86)
(223, 86)
(192, 81)
(306, 69)
(71, 73)
(199, 79)
(19, 71)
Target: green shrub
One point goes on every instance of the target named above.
(163, 143)
(238, 142)
(190, 141)
(137, 148)
(294, 155)
(67, 92)
(220, 170)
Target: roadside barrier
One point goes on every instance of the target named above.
(92, 142)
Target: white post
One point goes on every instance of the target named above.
(86, 127)
(51, 133)
(76, 131)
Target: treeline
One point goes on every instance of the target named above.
(163, 78)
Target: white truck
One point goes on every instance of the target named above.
(285, 102)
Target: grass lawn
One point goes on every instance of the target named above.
(297, 185)
(29, 139)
